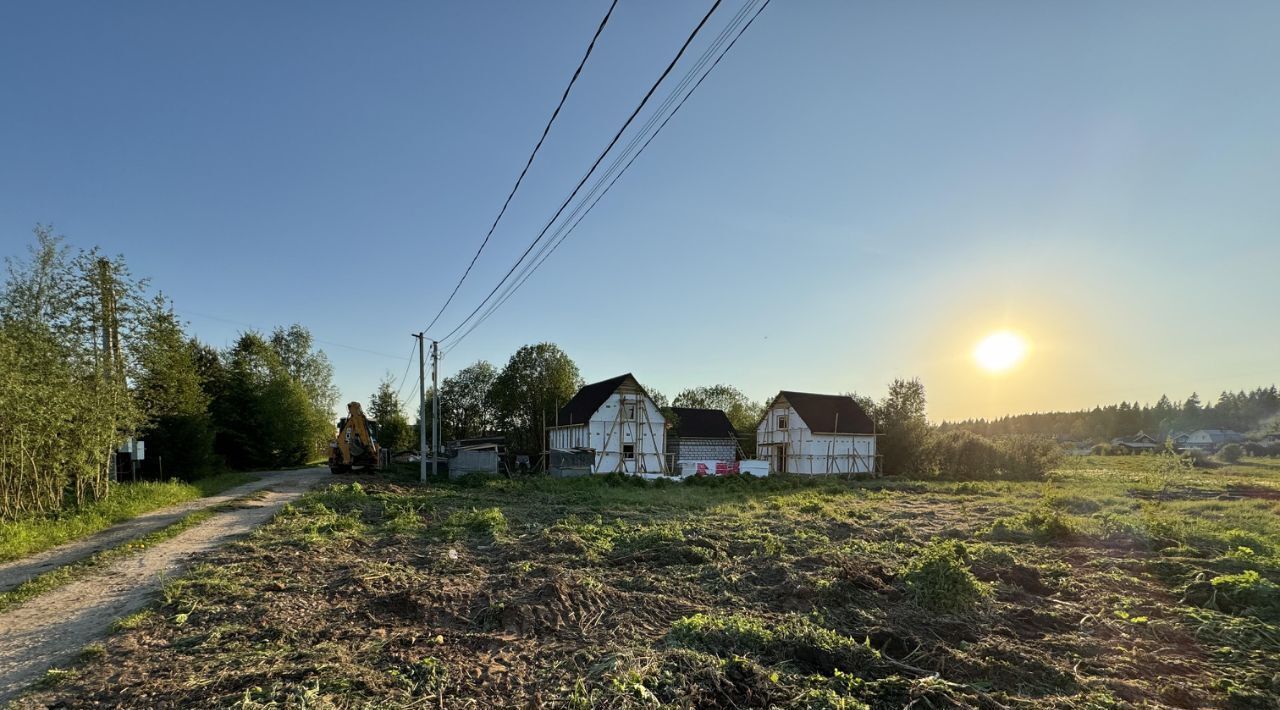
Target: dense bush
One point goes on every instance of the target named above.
(1027, 458)
(1262, 448)
(1231, 453)
(1199, 458)
(961, 455)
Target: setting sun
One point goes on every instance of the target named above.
(1000, 351)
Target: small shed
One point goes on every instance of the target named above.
(701, 435)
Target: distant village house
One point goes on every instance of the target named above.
(1138, 443)
(1208, 439)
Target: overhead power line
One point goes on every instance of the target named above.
(617, 136)
(583, 208)
(403, 378)
(546, 129)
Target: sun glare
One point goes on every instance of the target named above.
(1000, 351)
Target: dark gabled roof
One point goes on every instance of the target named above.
(588, 400)
(692, 423)
(824, 412)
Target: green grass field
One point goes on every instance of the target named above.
(1117, 582)
(28, 536)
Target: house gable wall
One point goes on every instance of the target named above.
(609, 430)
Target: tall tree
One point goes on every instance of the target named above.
(179, 431)
(536, 380)
(465, 407)
(742, 412)
(69, 332)
(266, 418)
(904, 429)
(310, 368)
(386, 409)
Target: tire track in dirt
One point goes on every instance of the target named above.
(52, 628)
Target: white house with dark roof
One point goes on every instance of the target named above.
(807, 433)
(617, 423)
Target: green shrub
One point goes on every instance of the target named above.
(940, 579)
(1231, 453)
(1247, 593)
(962, 456)
(1199, 459)
(1028, 458)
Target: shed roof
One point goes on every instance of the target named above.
(694, 423)
(589, 399)
(829, 413)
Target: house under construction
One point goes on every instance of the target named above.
(616, 423)
(809, 433)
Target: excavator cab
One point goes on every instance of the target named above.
(354, 446)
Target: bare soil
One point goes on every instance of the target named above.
(733, 594)
(50, 629)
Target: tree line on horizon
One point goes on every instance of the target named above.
(91, 357)
(1255, 412)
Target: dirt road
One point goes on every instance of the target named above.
(50, 629)
(16, 572)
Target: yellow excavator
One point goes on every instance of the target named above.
(354, 446)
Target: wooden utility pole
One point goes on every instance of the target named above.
(422, 412)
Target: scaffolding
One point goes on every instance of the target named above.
(627, 426)
(784, 457)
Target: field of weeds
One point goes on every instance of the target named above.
(1118, 582)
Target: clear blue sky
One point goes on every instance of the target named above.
(861, 190)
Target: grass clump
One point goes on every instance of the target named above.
(133, 621)
(589, 537)
(487, 523)
(796, 639)
(663, 544)
(1247, 593)
(940, 579)
(1044, 524)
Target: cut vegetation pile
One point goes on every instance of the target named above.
(1085, 590)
